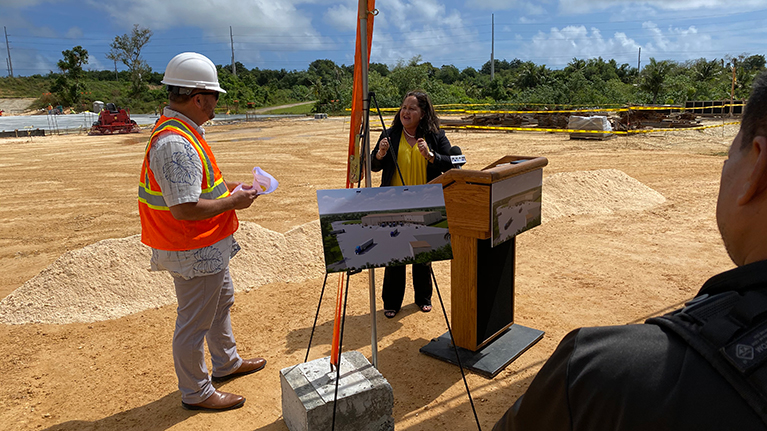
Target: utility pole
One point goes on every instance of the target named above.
(8, 48)
(639, 59)
(117, 78)
(492, 48)
(362, 9)
(732, 91)
(231, 39)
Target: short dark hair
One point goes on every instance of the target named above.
(754, 119)
(179, 94)
(429, 122)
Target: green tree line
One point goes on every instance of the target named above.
(583, 82)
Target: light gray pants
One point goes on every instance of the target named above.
(203, 314)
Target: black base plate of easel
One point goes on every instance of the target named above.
(490, 359)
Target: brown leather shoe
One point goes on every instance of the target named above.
(248, 366)
(219, 401)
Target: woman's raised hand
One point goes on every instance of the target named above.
(383, 148)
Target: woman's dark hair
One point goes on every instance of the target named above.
(429, 122)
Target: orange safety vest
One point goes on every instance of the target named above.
(159, 229)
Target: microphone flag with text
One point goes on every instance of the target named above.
(456, 157)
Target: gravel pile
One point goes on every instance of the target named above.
(603, 191)
(111, 278)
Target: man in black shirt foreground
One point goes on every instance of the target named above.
(703, 367)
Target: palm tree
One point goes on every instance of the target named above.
(575, 65)
(531, 75)
(704, 71)
(654, 76)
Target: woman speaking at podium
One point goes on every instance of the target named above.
(415, 143)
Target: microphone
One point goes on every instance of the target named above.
(456, 157)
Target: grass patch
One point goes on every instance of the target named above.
(442, 224)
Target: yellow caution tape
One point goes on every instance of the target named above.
(615, 132)
(570, 111)
(547, 112)
(633, 108)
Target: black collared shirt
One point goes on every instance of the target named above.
(740, 279)
(636, 377)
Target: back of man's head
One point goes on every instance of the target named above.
(742, 202)
(754, 121)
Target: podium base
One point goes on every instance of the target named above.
(490, 359)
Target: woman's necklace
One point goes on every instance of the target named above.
(408, 134)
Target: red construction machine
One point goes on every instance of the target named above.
(113, 120)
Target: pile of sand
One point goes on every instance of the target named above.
(111, 278)
(602, 191)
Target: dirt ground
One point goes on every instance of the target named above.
(63, 193)
(15, 106)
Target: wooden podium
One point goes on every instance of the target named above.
(482, 269)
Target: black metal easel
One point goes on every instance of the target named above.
(346, 294)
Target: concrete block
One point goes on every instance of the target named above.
(365, 398)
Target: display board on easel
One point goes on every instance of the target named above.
(385, 226)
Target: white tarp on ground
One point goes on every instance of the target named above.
(590, 123)
(84, 121)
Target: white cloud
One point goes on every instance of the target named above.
(532, 8)
(405, 29)
(687, 43)
(525, 20)
(94, 63)
(17, 19)
(591, 6)
(559, 46)
(279, 25)
(23, 3)
(74, 33)
(342, 17)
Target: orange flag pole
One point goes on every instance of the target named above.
(359, 94)
(334, 361)
(360, 104)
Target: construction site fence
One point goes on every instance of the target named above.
(447, 109)
(606, 132)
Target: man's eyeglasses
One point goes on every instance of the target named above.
(212, 93)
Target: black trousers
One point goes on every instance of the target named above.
(394, 286)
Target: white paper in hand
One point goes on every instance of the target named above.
(262, 181)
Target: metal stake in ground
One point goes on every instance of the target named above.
(340, 349)
(457, 356)
(314, 325)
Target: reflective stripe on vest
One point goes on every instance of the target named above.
(214, 190)
(159, 228)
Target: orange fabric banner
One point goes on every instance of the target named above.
(354, 171)
(334, 350)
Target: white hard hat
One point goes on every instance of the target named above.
(192, 70)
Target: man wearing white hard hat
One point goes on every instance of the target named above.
(188, 217)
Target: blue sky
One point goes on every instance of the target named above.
(338, 201)
(290, 34)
